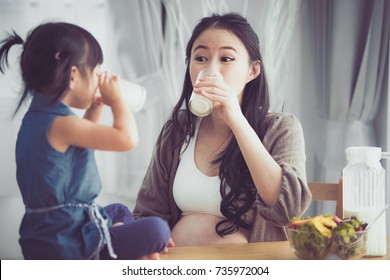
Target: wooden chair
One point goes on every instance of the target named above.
(329, 191)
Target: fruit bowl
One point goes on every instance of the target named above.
(327, 237)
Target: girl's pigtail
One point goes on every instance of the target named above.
(6, 44)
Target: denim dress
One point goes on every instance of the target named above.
(58, 189)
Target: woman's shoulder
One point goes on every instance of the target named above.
(280, 120)
(283, 130)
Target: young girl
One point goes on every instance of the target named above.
(56, 169)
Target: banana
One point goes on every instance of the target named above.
(322, 224)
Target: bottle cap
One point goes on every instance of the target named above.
(368, 155)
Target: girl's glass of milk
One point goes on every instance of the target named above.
(200, 105)
(133, 94)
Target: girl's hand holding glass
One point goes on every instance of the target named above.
(109, 88)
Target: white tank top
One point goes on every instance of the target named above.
(193, 191)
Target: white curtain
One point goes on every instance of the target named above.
(278, 27)
(351, 41)
(139, 44)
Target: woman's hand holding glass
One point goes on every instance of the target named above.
(226, 102)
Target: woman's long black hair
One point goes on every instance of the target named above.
(237, 188)
(49, 52)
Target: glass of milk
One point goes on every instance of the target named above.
(133, 94)
(200, 105)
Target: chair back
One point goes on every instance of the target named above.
(329, 191)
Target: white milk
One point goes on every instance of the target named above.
(133, 94)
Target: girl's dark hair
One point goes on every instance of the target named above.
(233, 171)
(49, 52)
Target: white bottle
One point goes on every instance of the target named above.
(364, 194)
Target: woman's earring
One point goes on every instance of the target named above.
(57, 56)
